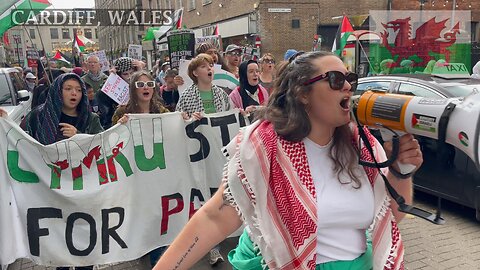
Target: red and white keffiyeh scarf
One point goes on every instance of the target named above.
(268, 181)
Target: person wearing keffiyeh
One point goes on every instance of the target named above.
(293, 178)
(64, 113)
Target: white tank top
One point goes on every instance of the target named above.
(344, 213)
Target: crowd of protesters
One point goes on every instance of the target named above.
(304, 117)
(66, 102)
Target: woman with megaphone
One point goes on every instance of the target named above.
(294, 180)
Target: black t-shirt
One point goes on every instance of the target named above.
(72, 120)
(170, 98)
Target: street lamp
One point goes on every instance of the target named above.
(17, 40)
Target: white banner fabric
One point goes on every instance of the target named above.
(110, 197)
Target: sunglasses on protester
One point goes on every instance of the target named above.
(141, 84)
(235, 53)
(269, 61)
(336, 80)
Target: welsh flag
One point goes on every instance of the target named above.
(8, 6)
(345, 29)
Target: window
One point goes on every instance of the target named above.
(206, 2)
(379, 86)
(296, 23)
(88, 33)
(416, 90)
(17, 82)
(191, 5)
(66, 33)
(32, 33)
(5, 96)
(179, 4)
(53, 33)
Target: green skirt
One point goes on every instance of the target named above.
(245, 258)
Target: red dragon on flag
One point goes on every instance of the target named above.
(428, 40)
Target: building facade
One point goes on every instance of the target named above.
(115, 39)
(280, 24)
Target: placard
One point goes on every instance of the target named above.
(135, 51)
(116, 88)
(32, 57)
(181, 45)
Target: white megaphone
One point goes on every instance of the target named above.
(454, 121)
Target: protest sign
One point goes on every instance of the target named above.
(135, 51)
(110, 197)
(181, 45)
(221, 77)
(116, 88)
(102, 59)
(32, 57)
(215, 40)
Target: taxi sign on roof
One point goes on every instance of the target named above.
(451, 71)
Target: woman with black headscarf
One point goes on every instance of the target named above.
(64, 113)
(250, 93)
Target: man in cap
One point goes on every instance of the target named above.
(233, 56)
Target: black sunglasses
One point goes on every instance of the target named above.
(336, 80)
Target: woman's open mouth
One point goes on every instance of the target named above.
(345, 104)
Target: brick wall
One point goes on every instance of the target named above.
(212, 12)
(276, 29)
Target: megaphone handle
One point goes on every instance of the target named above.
(387, 136)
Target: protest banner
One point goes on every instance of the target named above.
(116, 88)
(215, 40)
(32, 57)
(135, 51)
(181, 45)
(221, 77)
(109, 197)
(102, 59)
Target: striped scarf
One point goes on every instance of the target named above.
(268, 181)
(42, 123)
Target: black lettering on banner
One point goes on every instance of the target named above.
(213, 191)
(107, 232)
(223, 123)
(204, 145)
(69, 234)
(33, 227)
(241, 120)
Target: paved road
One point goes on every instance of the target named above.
(455, 245)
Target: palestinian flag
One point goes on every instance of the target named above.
(59, 57)
(6, 17)
(77, 44)
(179, 18)
(345, 29)
(215, 31)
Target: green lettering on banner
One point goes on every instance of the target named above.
(123, 161)
(16, 172)
(55, 174)
(149, 164)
